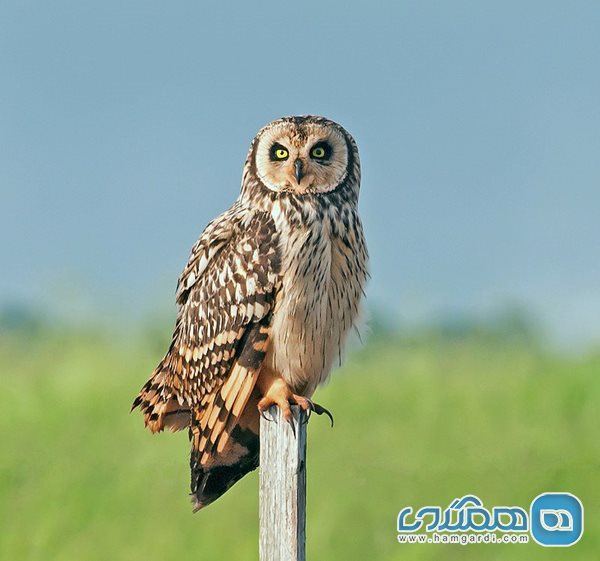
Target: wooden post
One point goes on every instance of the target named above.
(282, 487)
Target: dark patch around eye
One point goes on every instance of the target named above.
(326, 148)
(273, 152)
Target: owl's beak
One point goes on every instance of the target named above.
(298, 173)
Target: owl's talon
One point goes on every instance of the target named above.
(320, 410)
(277, 392)
(263, 414)
(308, 406)
(307, 418)
(309, 409)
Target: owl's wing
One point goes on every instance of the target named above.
(225, 295)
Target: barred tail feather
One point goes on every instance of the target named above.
(213, 474)
(159, 406)
(225, 432)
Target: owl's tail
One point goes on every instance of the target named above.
(215, 468)
(159, 405)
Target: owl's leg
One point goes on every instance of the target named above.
(276, 391)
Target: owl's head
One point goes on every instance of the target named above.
(303, 155)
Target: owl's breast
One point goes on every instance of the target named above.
(316, 305)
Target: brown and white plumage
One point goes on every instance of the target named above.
(270, 291)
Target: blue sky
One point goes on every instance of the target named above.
(124, 126)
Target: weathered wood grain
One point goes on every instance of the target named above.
(282, 487)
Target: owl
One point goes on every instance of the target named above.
(271, 289)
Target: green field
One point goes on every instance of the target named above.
(419, 421)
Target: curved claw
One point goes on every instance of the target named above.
(320, 410)
(308, 411)
(264, 416)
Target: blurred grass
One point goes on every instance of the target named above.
(417, 423)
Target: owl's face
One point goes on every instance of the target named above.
(302, 155)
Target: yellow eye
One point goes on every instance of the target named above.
(318, 152)
(278, 153)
